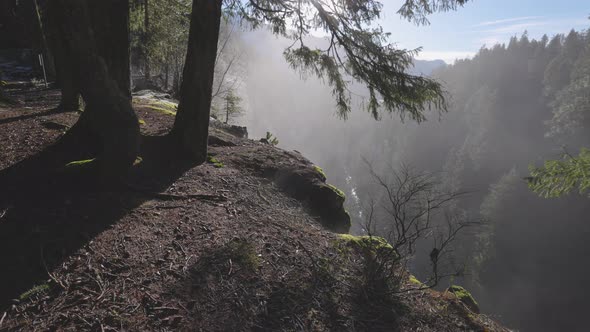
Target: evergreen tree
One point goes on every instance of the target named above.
(357, 49)
(232, 105)
(94, 38)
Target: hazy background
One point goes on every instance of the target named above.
(528, 264)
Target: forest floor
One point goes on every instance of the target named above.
(213, 247)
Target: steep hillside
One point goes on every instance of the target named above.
(241, 243)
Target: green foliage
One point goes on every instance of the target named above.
(461, 292)
(359, 49)
(33, 291)
(271, 139)
(80, 163)
(373, 243)
(232, 105)
(161, 45)
(464, 296)
(559, 177)
(571, 106)
(415, 280)
(499, 194)
(418, 11)
(493, 208)
(216, 163)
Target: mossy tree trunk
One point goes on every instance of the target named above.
(191, 126)
(102, 76)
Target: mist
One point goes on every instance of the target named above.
(526, 264)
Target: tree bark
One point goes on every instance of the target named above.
(110, 24)
(191, 126)
(146, 32)
(41, 41)
(108, 119)
(70, 93)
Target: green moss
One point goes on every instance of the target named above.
(337, 191)
(141, 122)
(216, 163)
(33, 291)
(462, 294)
(348, 214)
(162, 110)
(320, 171)
(366, 242)
(415, 280)
(80, 163)
(244, 254)
(165, 104)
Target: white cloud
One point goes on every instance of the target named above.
(508, 20)
(502, 30)
(516, 28)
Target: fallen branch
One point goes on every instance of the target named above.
(169, 197)
(172, 197)
(2, 319)
(262, 197)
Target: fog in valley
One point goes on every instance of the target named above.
(525, 260)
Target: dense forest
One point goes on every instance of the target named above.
(513, 106)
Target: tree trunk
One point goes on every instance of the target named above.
(40, 32)
(103, 80)
(191, 126)
(146, 26)
(166, 73)
(226, 111)
(110, 23)
(70, 93)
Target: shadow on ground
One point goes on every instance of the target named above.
(47, 214)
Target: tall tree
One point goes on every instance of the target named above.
(70, 93)
(191, 126)
(357, 49)
(102, 75)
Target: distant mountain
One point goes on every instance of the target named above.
(426, 67)
(262, 41)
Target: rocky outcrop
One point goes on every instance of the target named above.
(238, 131)
(465, 297)
(305, 182)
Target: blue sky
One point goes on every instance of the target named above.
(460, 34)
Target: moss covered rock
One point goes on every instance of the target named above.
(308, 184)
(365, 242)
(464, 296)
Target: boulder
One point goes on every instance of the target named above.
(465, 297)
